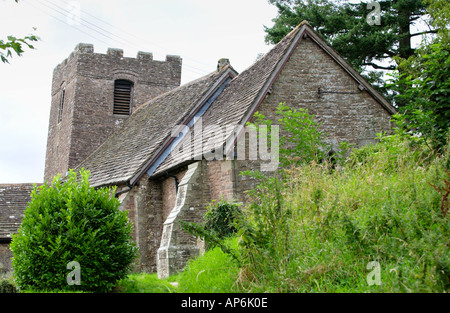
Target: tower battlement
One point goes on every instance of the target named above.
(87, 48)
(85, 61)
(86, 89)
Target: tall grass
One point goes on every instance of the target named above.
(143, 283)
(379, 205)
(215, 271)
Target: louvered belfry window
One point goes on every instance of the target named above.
(123, 90)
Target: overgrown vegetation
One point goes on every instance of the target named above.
(72, 222)
(220, 218)
(216, 271)
(326, 225)
(316, 226)
(143, 283)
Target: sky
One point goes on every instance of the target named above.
(200, 31)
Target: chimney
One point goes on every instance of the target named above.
(222, 63)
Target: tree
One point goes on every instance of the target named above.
(13, 44)
(71, 225)
(345, 26)
(422, 82)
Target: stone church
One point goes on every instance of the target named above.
(171, 149)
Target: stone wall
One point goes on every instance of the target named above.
(178, 246)
(87, 116)
(353, 116)
(144, 205)
(346, 112)
(221, 176)
(5, 258)
(169, 190)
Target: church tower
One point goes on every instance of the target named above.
(93, 94)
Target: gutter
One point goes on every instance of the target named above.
(124, 191)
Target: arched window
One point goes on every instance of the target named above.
(123, 95)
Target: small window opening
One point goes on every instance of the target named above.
(122, 97)
(61, 105)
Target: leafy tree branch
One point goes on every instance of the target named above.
(15, 45)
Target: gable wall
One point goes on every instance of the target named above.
(352, 117)
(356, 118)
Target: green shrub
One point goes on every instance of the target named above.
(220, 218)
(66, 222)
(220, 223)
(301, 142)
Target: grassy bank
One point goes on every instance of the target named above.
(380, 206)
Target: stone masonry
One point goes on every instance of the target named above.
(13, 201)
(87, 79)
(178, 246)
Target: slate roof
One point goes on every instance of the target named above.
(242, 96)
(149, 128)
(14, 199)
(129, 153)
(231, 106)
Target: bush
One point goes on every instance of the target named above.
(302, 142)
(220, 218)
(220, 223)
(71, 222)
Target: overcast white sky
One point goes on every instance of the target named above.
(200, 31)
